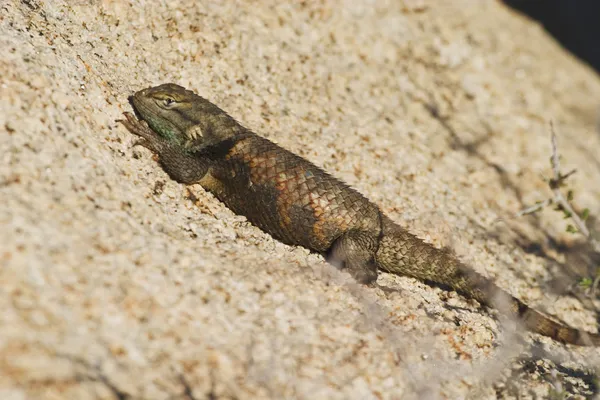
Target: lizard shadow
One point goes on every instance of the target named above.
(391, 290)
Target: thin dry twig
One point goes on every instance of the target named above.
(556, 183)
(534, 208)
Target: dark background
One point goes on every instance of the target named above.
(574, 23)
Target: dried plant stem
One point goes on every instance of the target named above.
(555, 184)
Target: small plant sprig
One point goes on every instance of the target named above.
(562, 203)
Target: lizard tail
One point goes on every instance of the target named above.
(402, 253)
(539, 323)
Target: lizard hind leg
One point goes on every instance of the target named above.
(354, 251)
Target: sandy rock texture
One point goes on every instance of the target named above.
(118, 283)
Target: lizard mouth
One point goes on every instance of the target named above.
(135, 109)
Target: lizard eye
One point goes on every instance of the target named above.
(168, 102)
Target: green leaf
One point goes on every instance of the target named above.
(585, 214)
(586, 283)
(571, 229)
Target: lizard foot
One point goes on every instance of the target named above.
(148, 138)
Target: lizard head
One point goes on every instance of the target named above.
(181, 116)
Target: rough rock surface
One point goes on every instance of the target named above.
(116, 282)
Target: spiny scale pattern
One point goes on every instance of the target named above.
(289, 197)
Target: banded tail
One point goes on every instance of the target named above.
(402, 253)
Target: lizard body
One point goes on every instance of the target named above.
(298, 203)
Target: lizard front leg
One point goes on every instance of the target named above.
(181, 164)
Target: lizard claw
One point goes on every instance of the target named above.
(147, 137)
(143, 142)
(137, 127)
